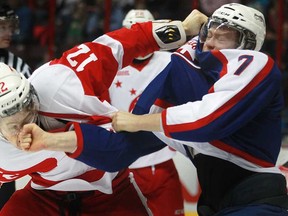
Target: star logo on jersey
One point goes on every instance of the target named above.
(133, 91)
(118, 84)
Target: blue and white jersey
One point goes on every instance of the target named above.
(239, 120)
(222, 103)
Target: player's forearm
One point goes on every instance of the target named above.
(149, 122)
(96, 147)
(63, 141)
(33, 138)
(124, 121)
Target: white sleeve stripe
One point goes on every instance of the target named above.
(187, 60)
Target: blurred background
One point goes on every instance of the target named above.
(49, 27)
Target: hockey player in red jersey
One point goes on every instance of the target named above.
(74, 88)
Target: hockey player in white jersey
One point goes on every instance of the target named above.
(74, 88)
(155, 174)
(8, 27)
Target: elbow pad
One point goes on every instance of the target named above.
(168, 34)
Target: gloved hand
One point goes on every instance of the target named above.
(168, 34)
(173, 34)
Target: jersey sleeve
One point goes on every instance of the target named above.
(111, 151)
(249, 83)
(137, 41)
(96, 63)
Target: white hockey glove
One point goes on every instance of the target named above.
(169, 34)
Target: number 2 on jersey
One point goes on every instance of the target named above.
(3, 88)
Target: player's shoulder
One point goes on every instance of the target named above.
(54, 76)
(188, 51)
(162, 54)
(235, 56)
(238, 53)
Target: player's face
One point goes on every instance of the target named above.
(10, 126)
(6, 31)
(221, 38)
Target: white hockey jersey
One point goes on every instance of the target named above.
(75, 88)
(127, 87)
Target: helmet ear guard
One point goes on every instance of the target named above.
(250, 41)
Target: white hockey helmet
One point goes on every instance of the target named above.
(16, 92)
(137, 16)
(248, 21)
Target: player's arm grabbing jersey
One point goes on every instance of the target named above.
(124, 148)
(214, 126)
(127, 87)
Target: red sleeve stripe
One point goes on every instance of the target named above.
(242, 154)
(224, 61)
(80, 142)
(164, 125)
(163, 104)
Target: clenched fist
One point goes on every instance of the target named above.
(193, 22)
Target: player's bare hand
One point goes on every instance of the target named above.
(31, 138)
(193, 22)
(124, 121)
